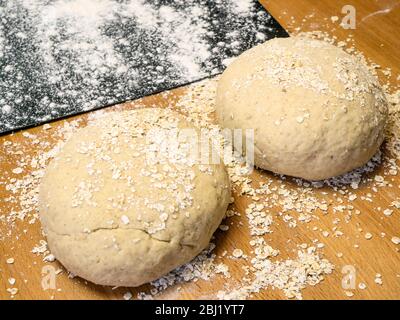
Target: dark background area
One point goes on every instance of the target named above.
(32, 92)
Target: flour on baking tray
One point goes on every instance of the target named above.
(77, 55)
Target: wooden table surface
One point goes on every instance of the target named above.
(377, 36)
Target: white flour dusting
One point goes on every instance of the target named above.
(77, 55)
(242, 6)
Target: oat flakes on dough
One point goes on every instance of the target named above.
(114, 219)
(317, 111)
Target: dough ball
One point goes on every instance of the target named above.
(316, 111)
(117, 216)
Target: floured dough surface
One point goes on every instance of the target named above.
(115, 216)
(316, 111)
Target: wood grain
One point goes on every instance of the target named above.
(377, 36)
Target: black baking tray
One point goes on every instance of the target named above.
(41, 81)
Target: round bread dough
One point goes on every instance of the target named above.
(115, 215)
(316, 111)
